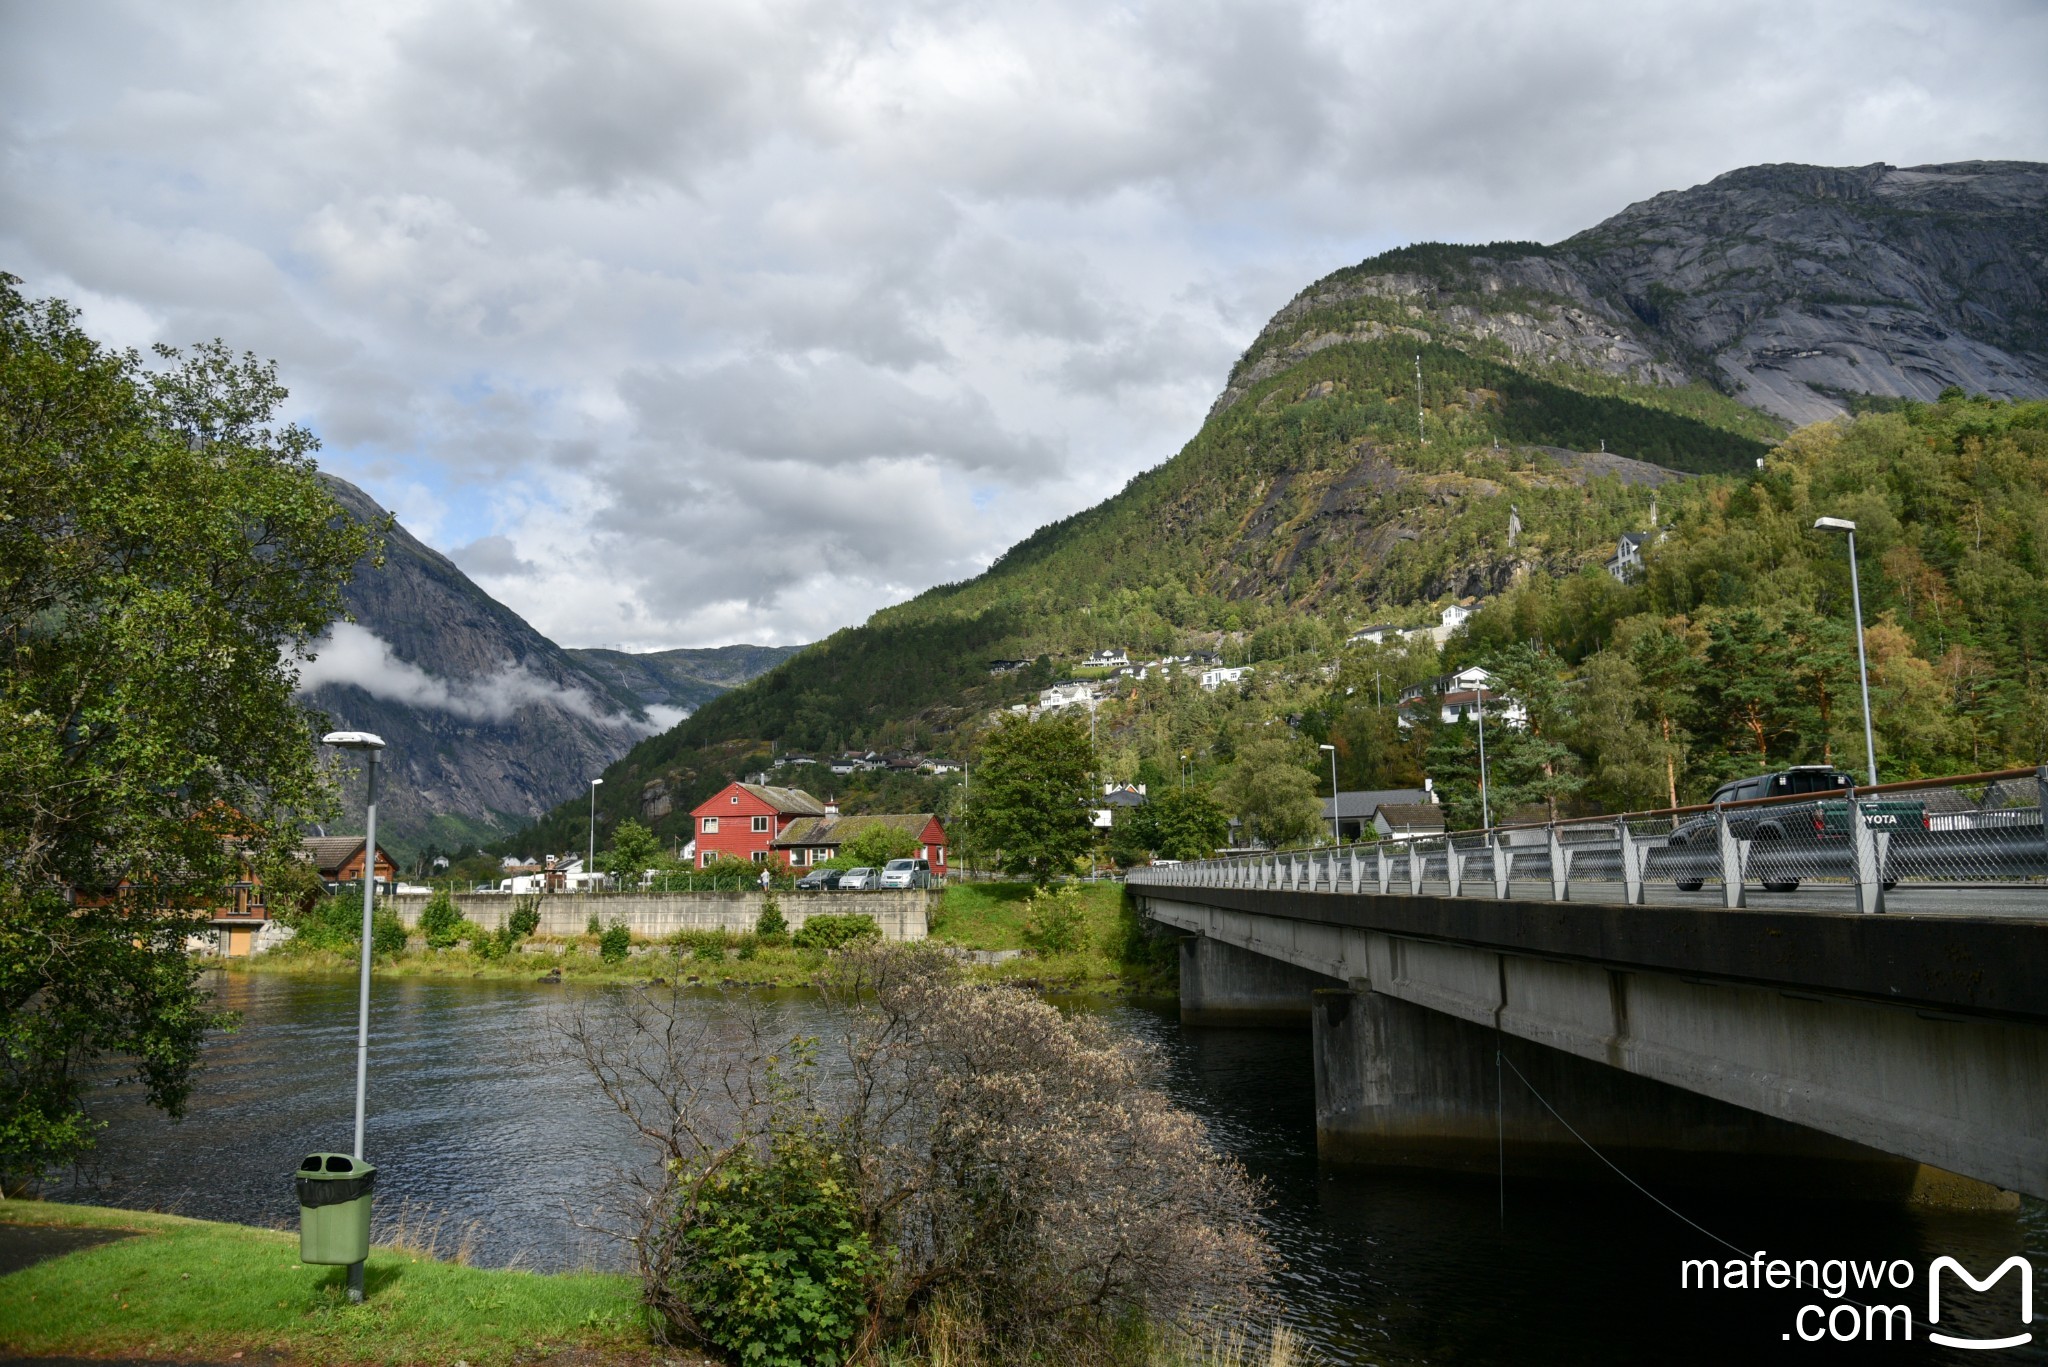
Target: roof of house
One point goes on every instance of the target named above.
(1124, 797)
(837, 830)
(1417, 816)
(789, 801)
(1367, 801)
(330, 852)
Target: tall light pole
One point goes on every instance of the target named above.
(1842, 524)
(1336, 832)
(1485, 802)
(590, 867)
(369, 745)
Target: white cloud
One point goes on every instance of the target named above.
(354, 655)
(738, 320)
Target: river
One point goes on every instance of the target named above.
(1385, 1268)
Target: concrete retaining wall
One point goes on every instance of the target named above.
(902, 915)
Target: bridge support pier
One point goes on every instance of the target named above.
(1400, 1085)
(1221, 984)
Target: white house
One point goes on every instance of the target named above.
(1213, 679)
(1459, 697)
(1070, 694)
(1627, 562)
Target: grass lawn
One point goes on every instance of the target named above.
(193, 1288)
(1112, 953)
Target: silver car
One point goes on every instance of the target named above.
(907, 873)
(861, 879)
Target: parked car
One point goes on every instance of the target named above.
(907, 873)
(861, 879)
(1792, 837)
(819, 880)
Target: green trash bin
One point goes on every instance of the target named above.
(334, 1209)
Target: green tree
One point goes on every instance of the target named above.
(874, 846)
(635, 849)
(166, 554)
(1179, 825)
(1272, 789)
(1031, 795)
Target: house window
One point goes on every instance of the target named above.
(796, 857)
(760, 824)
(735, 799)
(760, 856)
(819, 853)
(711, 825)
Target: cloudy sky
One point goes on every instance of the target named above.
(689, 323)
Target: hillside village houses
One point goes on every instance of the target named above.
(1449, 620)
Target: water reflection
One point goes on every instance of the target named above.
(467, 1124)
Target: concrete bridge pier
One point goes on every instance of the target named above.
(1400, 1085)
(1221, 984)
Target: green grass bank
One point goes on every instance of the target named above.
(197, 1289)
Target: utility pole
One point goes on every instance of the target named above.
(1336, 831)
(1418, 400)
(591, 867)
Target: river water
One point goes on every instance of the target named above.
(469, 1132)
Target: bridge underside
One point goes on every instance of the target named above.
(1683, 1076)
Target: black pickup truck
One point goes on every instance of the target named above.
(1793, 837)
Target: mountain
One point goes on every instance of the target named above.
(1440, 423)
(1796, 289)
(487, 723)
(686, 678)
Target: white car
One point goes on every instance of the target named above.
(861, 879)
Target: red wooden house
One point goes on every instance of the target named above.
(812, 841)
(742, 820)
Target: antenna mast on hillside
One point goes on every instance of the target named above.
(1418, 400)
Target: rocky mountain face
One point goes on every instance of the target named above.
(1796, 289)
(487, 722)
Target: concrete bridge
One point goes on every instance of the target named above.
(1469, 1024)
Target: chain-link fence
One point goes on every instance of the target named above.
(1975, 830)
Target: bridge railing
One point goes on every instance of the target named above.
(1969, 829)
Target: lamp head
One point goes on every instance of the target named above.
(1331, 748)
(1833, 524)
(353, 740)
(594, 782)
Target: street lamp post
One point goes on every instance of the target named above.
(369, 745)
(1485, 802)
(590, 866)
(1842, 524)
(1336, 832)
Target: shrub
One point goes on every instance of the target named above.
(772, 927)
(525, 918)
(615, 943)
(776, 1266)
(440, 922)
(748, 946)
(986, 1155)
(335, 924)
(593, 926)
(387, 934)
(830, 930)
(1054, 922)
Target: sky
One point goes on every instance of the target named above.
(689, 324)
